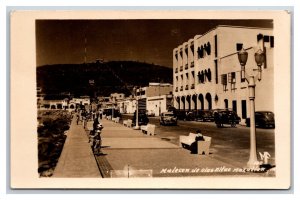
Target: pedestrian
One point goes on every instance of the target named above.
(194, 145)
(77, 118)
(97, 140)
(97, 121)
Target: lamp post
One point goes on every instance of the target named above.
(137, 110)
(259, 59)
(159, 108)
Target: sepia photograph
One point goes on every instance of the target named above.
(137, 99)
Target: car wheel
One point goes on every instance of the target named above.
(233, 124)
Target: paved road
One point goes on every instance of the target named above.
(228, 144)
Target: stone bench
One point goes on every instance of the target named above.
(127, 123)
(108, 117)
(116, 119)
(149, 129)
(202, 146)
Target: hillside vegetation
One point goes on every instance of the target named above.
(109, 77)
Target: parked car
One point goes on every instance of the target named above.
(191, 115)
(168, 118)
(263, 119)
(150, 113)
(225, 116)
(180, 114)
(142, 117)
(205, 116)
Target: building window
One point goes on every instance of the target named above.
(208, 48)
(266, 38)
(244, 109)
(187, 75)
(231, 77)
(226, 103)
(216, 71)
(259, 37)
(224, 81)
(234, 107)
(176, 78)
(272, 41)
(201, 76)
(216, 46)
(181, 77)
(239, 46)
(208, 75)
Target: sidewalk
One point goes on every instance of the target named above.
(128, 151)
(77, 158)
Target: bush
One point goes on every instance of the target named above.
(51, 139)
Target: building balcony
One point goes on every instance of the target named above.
(193, 86)
(181, 68)
(176, 70)
(186, 66)
(181, 88)
(176, 90)
(192, 64)
(186, 87)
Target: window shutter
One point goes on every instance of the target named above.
(224, 79)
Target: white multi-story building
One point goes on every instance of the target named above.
(207, 72)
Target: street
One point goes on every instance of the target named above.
(228, 144)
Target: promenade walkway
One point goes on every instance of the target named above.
(125, 149)
(77, 158)
(128, 152)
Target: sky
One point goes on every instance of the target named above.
(151, 41)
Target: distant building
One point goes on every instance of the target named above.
(54, 102)
(159, 104)
(114, 97)
(82, 100)
(127, 105)
(207, 72)
(160, 93)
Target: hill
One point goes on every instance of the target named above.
(108, 77)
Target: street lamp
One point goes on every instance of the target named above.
(137, 110)
(259, 59)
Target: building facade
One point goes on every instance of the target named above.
(160, 93)
(207, 72)
(159, 104)
(127, 105)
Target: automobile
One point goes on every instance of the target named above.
(168, 118)
(150, 113)
(142, 117)
(180, 114)
(263, 119)
(205, 116)
(191, 115)
(225, 116)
